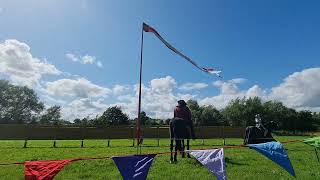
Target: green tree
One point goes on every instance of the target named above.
(77, 121)
(99, 122)
(85, 121)
(234, 113)
(210, 116)
(161, 122)
(289, 121)
(52, 116)
(241, 112)
(18, 104)
(196, 111)
(252, 107)
(305, 122)
(275, 111)
(316, 120)
(144, 119)
(113, 116)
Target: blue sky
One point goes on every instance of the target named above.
(259, 46)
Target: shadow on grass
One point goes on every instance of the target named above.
(230, 161)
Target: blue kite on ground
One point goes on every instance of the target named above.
(275, 152)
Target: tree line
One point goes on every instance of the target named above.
(241, 112)
(21, 105)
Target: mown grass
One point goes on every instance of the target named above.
(242, 163)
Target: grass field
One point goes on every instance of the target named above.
(242, 163)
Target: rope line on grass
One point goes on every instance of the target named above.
(158, 153)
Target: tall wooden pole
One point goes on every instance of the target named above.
(139, 105)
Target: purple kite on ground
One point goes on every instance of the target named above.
(134, 167)
(213, 159)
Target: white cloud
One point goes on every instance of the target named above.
(86, 59)
(228, 87)
(120, 89)
(80, 98)
(229, 90)
(238, 80)
(83, 107)
(220, 101)
(163, 85)
(256, 91)
(185, 97)
(299, 90)
(192, 86)
(72, 57)
(18, 64)
(158, 99)
(81, 88)
(154, 104)
(126, 97)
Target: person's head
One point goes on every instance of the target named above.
(182, 103)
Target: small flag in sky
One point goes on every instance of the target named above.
(213, 159)
(134, 167)
(43, 170)
(275, 152)
(147, 28)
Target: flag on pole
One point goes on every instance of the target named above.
(275, 152)
(43, 170)
(147, 28)
(134, 167)
(213, 159)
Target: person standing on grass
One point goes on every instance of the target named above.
(182, 111)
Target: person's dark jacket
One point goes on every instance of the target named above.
(184, 113)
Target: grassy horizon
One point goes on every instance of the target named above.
(242, 163)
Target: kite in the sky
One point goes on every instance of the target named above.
(147, 28)
(213, 71)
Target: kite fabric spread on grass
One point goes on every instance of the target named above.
(213, 159)
(43, 170)
(134, 167)
(275, 152)
(315, 142)
(147, 28)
